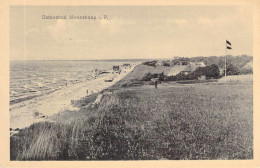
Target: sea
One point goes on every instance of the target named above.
(30, 79)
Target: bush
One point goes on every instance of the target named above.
(232, 70)
(170, 78)
(150, 76)
(166, 64)
(246, 71)
(183, 61)
(211, 71)
(150, 63)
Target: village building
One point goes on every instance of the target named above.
(126, 66)
(116, 68)
(159, 63)
(176, 57)
(192, 66)
(202, 77)
(185, 69)
(176, 70)
(248, 68)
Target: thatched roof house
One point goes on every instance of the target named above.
(185, 69)
(116, 68)
(176, 70)
(248, 68)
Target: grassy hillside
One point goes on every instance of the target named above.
(201, 121)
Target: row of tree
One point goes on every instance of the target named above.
(150, 63)
(210, 72)
(236, 61)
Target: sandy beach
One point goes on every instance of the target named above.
(22, 114)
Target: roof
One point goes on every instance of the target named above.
(185, 68)
(200, 64)
(176, 70)
(249, 65)
(193, 66)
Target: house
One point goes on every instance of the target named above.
(199, 64)
(221, 71)
(202, 77)
(176, 57)
(159, 63)
(126, 66)
(176, 70)
(116, 68)
(248, 68)
(185, 69)
(192, 67)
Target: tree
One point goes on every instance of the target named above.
(149, 76)
(166, 64)
(211, 71)
(232, 70)
(183, 61)
(150, 63)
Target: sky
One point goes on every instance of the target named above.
(130, 32)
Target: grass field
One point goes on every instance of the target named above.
(200, 121)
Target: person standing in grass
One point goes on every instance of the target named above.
(155, 84)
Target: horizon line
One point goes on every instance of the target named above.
(117, 59)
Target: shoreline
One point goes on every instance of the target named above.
(26, 98)
(22, 113)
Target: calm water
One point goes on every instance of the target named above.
(34, 78)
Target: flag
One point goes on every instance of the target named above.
(228, 42)
(228, 45)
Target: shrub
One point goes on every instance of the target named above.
(149, 76)
(211, 71)
(170, 78)
(166, 64)
(150, 63)
(232, 70)
(246, 71)
(183, 61)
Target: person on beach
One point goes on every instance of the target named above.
(155, 84)
(87, 91)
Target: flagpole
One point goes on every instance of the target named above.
(226, 60)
